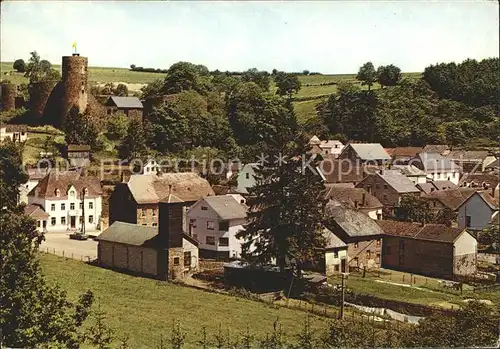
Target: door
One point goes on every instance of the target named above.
(72, 220)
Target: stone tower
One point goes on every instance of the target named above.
(9, 92)
(74, 79)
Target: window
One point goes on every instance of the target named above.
(63, 220)
(91, 205)
(379, 215)
(378, 242)
(187, 259)
(356, 261)
(192, 222)
(72, 193)
(386, 186)
(154, 212)
(385, 196)
(176, 260)
(63, 207)
(356, 245)
(195, 236)
(468, 221)
(439, 175)
(91, 219)
(223, 241)
(80, 220)
(377, 186)
(53, 221)
(335, 254)
(204, 208)
(58, 192)
(210, 225)
(368, 254)
(210, 240)
(143, 212)
(454, 174)
(401, 244)
(154, 224)
(247, 175)
(369, 189)
(72, 206)
(224, 225)
(52, 207)
(377, 258)
(39, 224)
(81, 205)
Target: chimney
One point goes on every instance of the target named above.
(381, 171)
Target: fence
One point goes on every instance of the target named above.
(69, 255)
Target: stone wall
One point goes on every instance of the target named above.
(135, 259)
(365, 254)
(9, 92)
(147, 214)
(39, 96)
(465, 264)
(75, 78)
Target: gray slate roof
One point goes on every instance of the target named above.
(126, 102)
(409, 170)
(433, 162)
(226, 207)
(370, 151)
(354, 223)
(332, 240)
(128, 234)
(398, 181)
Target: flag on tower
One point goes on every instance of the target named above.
(74, 44)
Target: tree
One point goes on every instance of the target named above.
(490, 236)
(388, 75)
(152, 89)
(132, 66)
(261, 78)
(134, 144)
(19, 65)
(446, 216)
(99, 333)
(108, 88)
(455, 134)
(80, 128)
(32, 312)
(121, 90)
(367, 74)
(286, 208)
(12, 175)
(182, 76)
(169, 129)
(287, 84)
(38, 70)
(116, 126)
(306, 72)
(414, 209)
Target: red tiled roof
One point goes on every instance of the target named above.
(46, 188)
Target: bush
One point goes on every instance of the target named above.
(19, 65)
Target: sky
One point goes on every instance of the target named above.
(324, 36)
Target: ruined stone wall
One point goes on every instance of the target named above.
(39, 96)
(75, 78)
(9, 92)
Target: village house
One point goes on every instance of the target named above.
(34, 176)
(359, 232)
(450, 199)
(246, 178)
(130, 106)
(433, 249)
(165, 252)
(215, 221)
(413, 173)
(78, 155)
(402, 155)
(365, 153)
(331, 147)
(37, 213)
(388, 186)
(357, 198)
(339, 171)
(471, 161)
(15, 133)
(136, 201)
(432, 186)
(437, 167)
(477, 211)
(487, 182)
(441, 149)
(493, 167)
(335, 254)
(70, 200)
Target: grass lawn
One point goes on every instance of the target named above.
(431, 294)
(145, 308)
(306, 110)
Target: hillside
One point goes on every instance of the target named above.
(307, 97)
(145, 308)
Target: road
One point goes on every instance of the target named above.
(56, 243)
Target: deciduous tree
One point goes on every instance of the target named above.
(367, 74)
(19, 65)
(388, 75)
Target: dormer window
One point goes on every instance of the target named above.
(58, 192)
(71, 193)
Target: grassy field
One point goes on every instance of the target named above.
(427, 293)
(306, 109)
(145, 308)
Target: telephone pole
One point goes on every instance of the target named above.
(342, 298)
